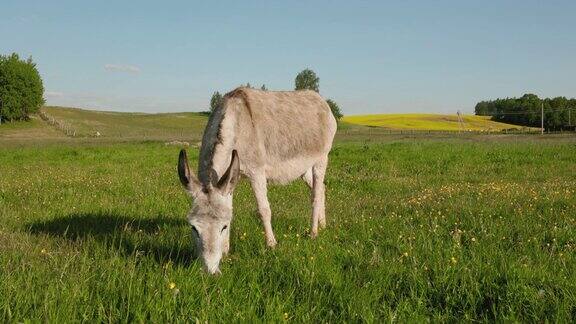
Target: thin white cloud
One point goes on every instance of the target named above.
(112, 102)
(122, 68)
(53, 94)
(27, 18)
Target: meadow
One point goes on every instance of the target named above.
(420, 227)
(474, 228)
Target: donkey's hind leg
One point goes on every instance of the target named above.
(307, 177)
(318, 196)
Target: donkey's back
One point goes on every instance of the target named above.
(287, 132)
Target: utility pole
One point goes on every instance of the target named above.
(542, 120)
(460, 121)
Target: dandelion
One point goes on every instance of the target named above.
(285, 316)
(43, 251)
(473, 239)
(453, 260)
(171, 285)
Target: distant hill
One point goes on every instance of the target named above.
(429, 122)
(89, 123)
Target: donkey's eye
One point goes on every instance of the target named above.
(223, 228)
(195, 230)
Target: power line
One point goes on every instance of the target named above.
(529, 112)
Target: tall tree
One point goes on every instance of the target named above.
(21, 89)
(307, 79)
(263, 87)
(215, 101)
(334, 108)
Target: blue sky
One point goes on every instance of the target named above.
(371, 56)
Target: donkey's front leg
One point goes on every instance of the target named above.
(259, 187)
(226, 247)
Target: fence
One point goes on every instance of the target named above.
(65, 128)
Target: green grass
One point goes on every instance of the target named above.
(166, 126)
(433, 122)
(440, 229)
(33, 129)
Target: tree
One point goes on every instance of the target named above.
(483, 108)
(216, 101)
(263, 87)
(307, 79)
(334, 108)
(21, 89)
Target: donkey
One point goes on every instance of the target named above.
(268, 136)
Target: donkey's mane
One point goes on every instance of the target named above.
(212, 137)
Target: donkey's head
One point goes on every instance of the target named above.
(211, 214)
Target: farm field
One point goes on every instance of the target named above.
(430, 122)
(443, 229)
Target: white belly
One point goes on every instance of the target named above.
(286, 171)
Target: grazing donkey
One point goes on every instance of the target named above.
(267, 136)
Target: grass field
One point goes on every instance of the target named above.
(429, 122)
(443, 229)
(130, 125)
(34, 129)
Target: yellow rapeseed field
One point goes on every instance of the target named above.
(429, 122)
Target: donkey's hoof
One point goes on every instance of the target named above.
(271, 243)
(314, 234)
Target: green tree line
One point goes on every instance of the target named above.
(559, 112)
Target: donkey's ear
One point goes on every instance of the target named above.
(188, 180)
(230, 178)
